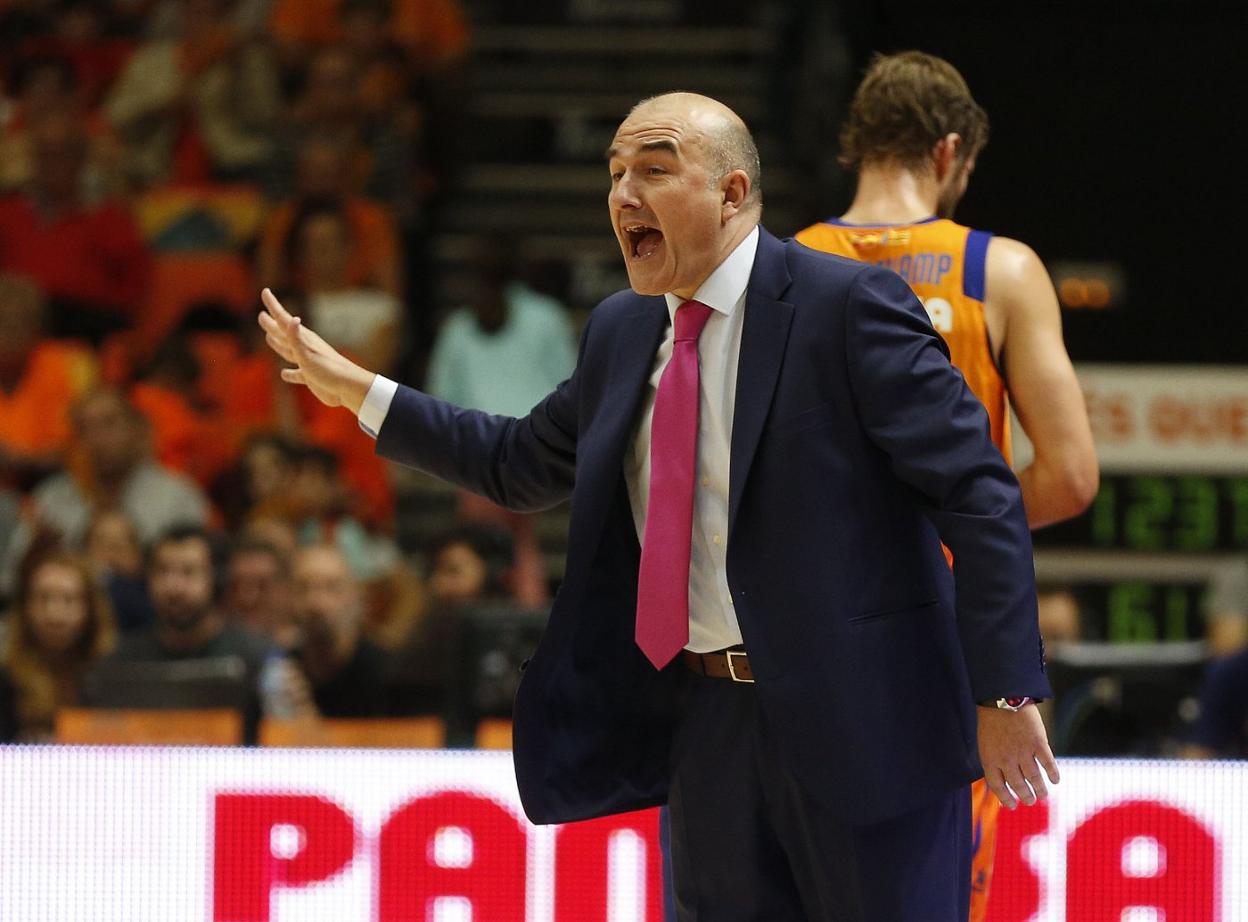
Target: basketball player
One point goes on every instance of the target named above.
(912, 136)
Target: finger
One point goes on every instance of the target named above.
(1049, 764)
(996, 784)
(274, 306)
(293, 376)
(1035, 778)
(1014, 778)
(280, 346)
(268, 324)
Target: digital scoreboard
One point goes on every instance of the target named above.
(1179, 513)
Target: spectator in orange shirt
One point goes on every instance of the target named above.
(40, 379)
(89, 259)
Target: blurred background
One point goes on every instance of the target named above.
(423, 181)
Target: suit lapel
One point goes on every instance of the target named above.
(635, 344)
(763, 338)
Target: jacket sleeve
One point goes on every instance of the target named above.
(917, 409)
(524, 464)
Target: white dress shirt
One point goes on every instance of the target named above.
(712, 621)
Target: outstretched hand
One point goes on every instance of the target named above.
(1013, 749)
(333, 378)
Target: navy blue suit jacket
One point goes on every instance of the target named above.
(856, 448)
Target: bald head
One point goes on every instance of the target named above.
(328, 597)
(722, 135)
(684, 191)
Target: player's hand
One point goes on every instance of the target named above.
(1014, 751)
(333, 378)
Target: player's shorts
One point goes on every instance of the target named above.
(985, 808)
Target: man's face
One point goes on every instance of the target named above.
(666, 208)
(108, 433)
(327, 597)
(180, 583)
(258, 590)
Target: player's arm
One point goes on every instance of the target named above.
(1063, 478)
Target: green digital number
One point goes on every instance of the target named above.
(1129, 615)
(1197, 514)
(1147, 513)
(1237, 493)
(1178, 607)
(1105, 514)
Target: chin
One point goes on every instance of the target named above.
(645, 286)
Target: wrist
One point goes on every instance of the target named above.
(358, 383)
(1014, 703)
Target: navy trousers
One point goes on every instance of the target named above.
(748, 844)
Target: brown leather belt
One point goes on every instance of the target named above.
(722, 664)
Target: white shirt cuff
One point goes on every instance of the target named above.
(377, 404)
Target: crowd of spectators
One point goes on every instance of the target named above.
(164, 497)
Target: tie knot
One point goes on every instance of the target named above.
(691, 317)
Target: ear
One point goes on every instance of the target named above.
(945, 154)
(736, 191)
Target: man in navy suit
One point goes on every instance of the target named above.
(810, 715)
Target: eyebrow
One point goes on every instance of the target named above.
(664, 144)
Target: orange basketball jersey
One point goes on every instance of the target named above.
(944, 263)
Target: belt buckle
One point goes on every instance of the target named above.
(732, 669)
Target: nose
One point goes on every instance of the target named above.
(624, 194)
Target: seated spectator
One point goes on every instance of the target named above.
(114, 469)
(363, 322)
(113, 550)
(45, 85)
(186, 579)
(110, 468)
(503, 353)
(257, 593)
(199, 105)
(322, 175)
(325, 511)
(60, 626)
(343, 669)
(40, 378)
(322, 506)
(470, 564)
(254, 486)
(89, 259)
(1221, 730)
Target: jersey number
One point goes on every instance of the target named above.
(941, 313)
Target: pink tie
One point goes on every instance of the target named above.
(663, 583)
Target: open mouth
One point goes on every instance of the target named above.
(643, 239)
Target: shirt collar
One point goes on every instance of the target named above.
(724, 287)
